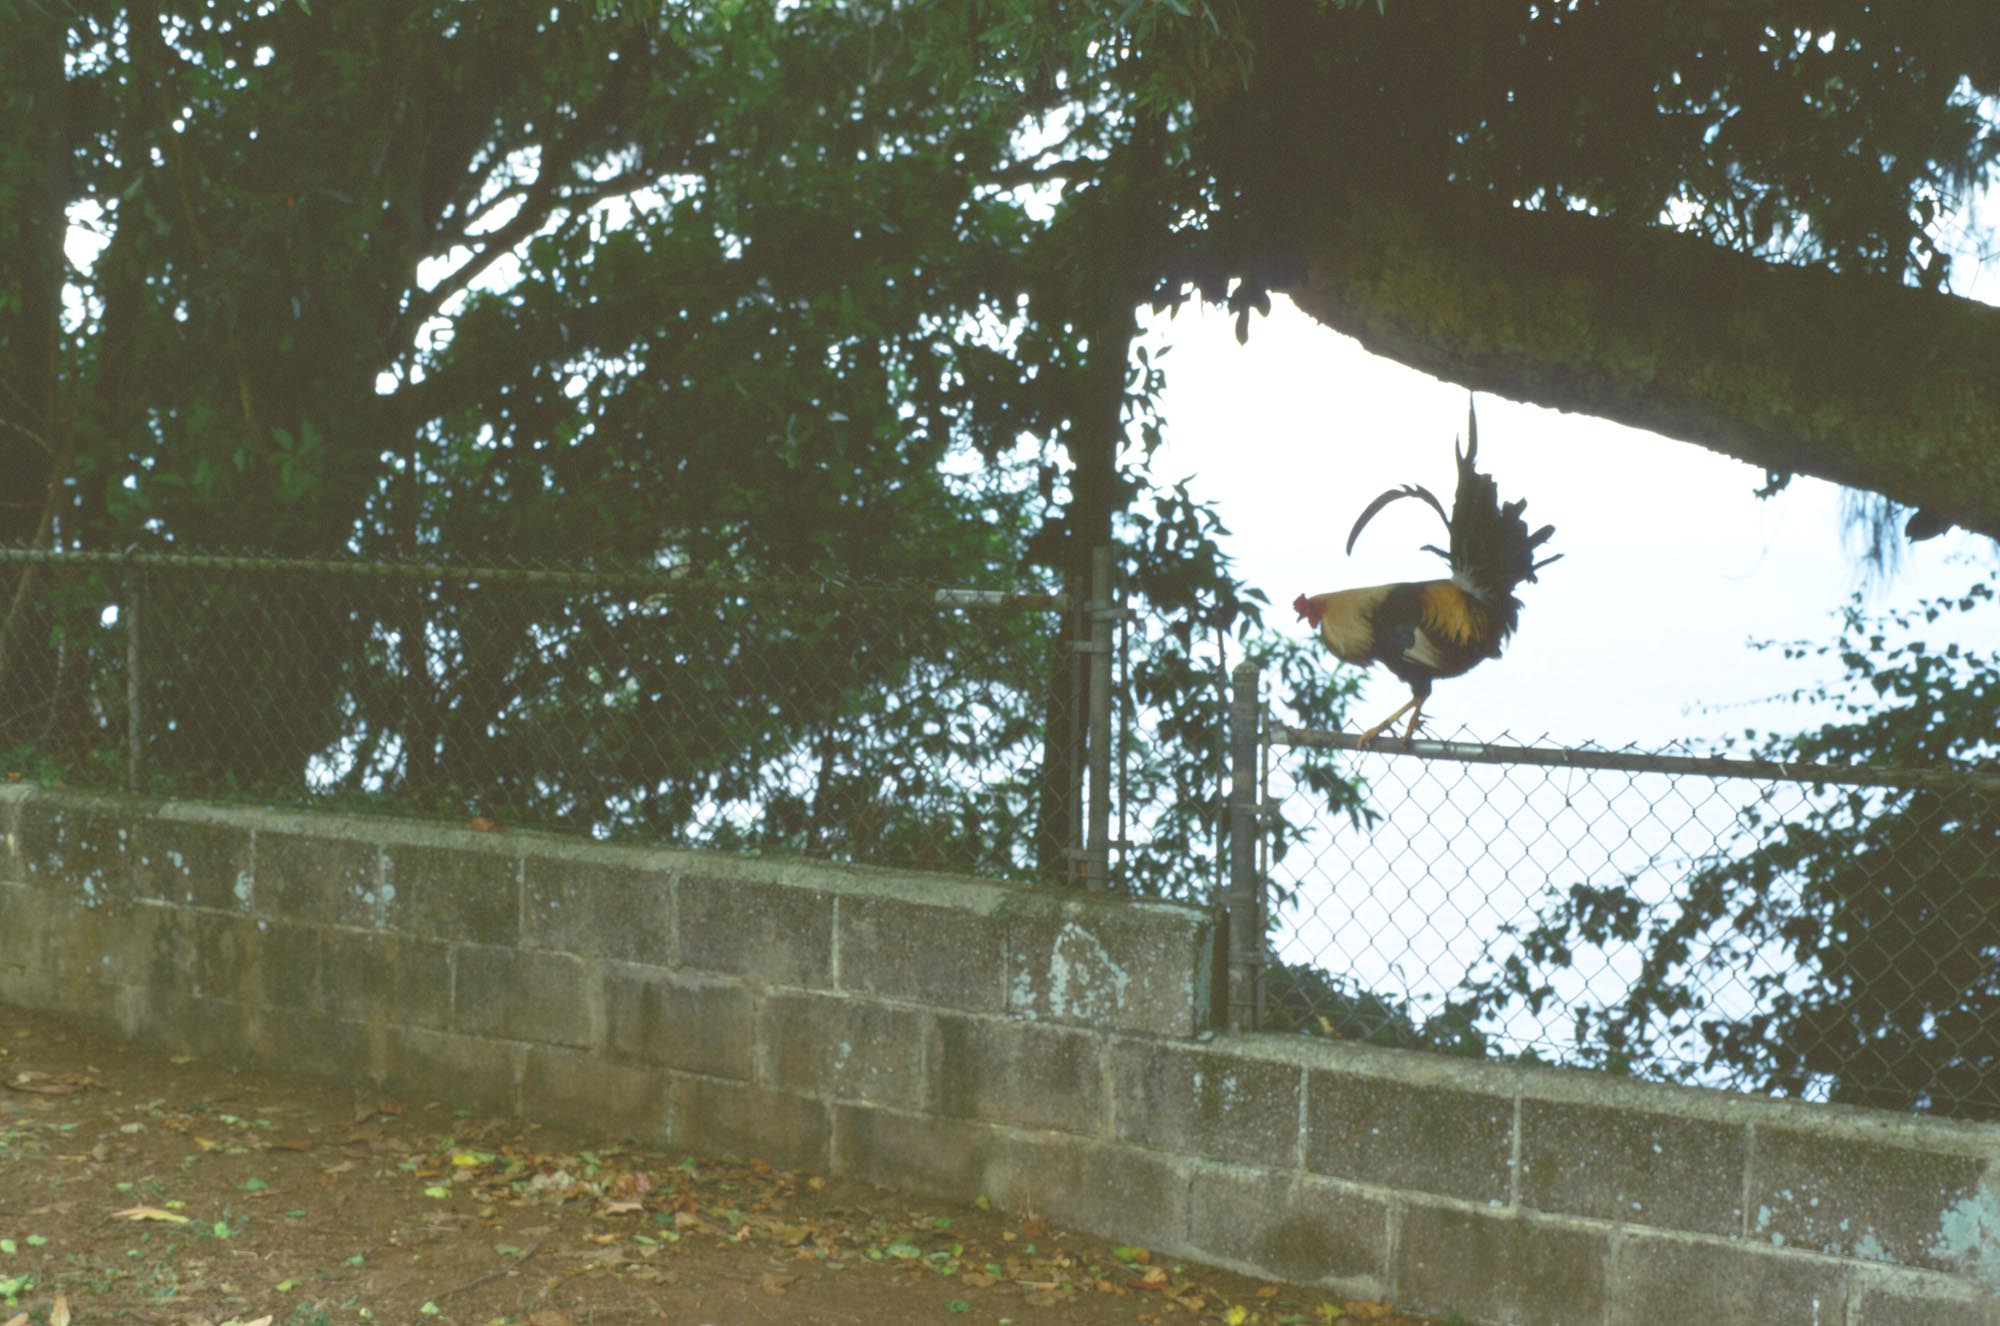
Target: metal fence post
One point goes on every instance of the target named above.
(135, 726)
(1245, 896)
(1097, 850)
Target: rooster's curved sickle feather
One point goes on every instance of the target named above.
(1395, 494)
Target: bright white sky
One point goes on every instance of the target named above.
(1670, 565)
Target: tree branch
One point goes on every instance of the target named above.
(1851, 378)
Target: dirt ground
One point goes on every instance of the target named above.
(135, 1186)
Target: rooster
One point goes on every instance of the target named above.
(1427, 629)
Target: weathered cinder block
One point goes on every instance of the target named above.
(1829, 1193)
(774, 935)
(1292, 1226)
(1916, 1299)
(594, 1095)
(468, 1071)
(24, 922)
(520, 996)
(1501, 1268)
(913, 1152)
(695, 1024)
(13, 796)
(315, 880)
(255, 962)
(1658, 1280)
(192, 863)
(577, 904)
(737, 1118)
(368, 975)
(1018, 1073)
(1431, 1138)
(1204, 1102)
(1616, 1162)
(456, 893)
(946, 957)
(1117, 1192)
(312, 1042)
(1137, 967)
(79, 846)
(835, 1047)
(189, 1024)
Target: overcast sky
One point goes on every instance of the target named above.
(1671, 566)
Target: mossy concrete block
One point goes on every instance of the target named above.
(312, 1042)
(1916, 1299)
(1206, 1102)
(742, 1119)
(1145, 968)
(838, 1048)
(193, 863)
(79, 847)
(520, 996)
(1292, 1226)
(254, 962)
(918, 1153)
(471, 1072)
(1661, 1280)
(577, 903)
(946, 957)
(1503, 1268)
(315, 880)
(594, 1095)
(1117, 1192)
(697, 1024)
(1398, 1134)
(1854, 1198)
(773, 934)
(1018, 1073)
(462, 894)
(1642, 1168)
(369, 976)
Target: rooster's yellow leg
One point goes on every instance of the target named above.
(1390, 722)
(1416, 716)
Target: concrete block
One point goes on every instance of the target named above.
(1294, 1227)
(917, 1153)
(1902, 1298)
(1644, 1168)
(454, 893)
(24, 922)
(1209, 1103)
(1828, 1193)
(1430, 1138)
(315, 880)
(192, 863)
(311, 1042)
(838, 1048)
(696, 1024)
(235, 957)
(78, 846)
(469, 1072)
(1502, 1268)
(1116, 1192)
(1659, 1280)
(740, 1119)
(515, 995)
(770, 933)
(1145, 968)
(593, 1095)
(945, 957)
(368, 975)
(1018, 1073)
(575, 904)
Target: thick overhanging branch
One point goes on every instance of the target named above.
(1854, 379)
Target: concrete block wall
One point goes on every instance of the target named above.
(960, 1038)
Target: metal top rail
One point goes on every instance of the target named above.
(1634, 761)
(656, 580)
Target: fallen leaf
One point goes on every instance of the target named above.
(22, 1319)
(1268, 1291)
(45, 1088)
(774, 1284)
(482, 824)
(59, 1310)
(149, 1213)
(980, 1280)
(623, 1208)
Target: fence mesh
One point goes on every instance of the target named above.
(1702, 921)
(900, 724)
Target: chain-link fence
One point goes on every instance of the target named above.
(915, 725)
(1813, 932)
